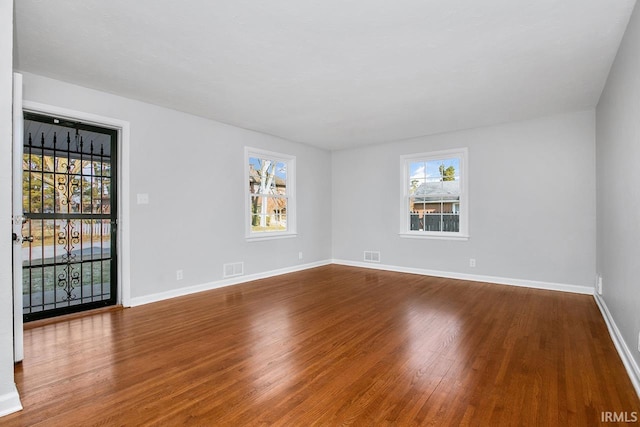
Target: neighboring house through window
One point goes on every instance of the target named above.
(270, 210)
(435, 195)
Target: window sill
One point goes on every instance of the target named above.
(439, 236)
(270, 236)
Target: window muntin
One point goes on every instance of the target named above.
(270, 207)
(434, 196)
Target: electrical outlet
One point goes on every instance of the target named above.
(472, 262)
(299, 255)
(599, 285)
(179, 275)
(142, 198)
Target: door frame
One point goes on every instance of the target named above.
(16, 216)
(123, 194)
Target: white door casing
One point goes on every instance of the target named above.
(17, 217)
(19, 107)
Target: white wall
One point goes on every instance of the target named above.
(618, 189)
(532, 202)
(193, 170)
(8, 396)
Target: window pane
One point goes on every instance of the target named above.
(105, 195)
(443, 170)
(268, 213)
(256, 209)
(433, 195)
(415, 215)
(267, 176)
(451, 222)
(281, 178)
(437, 193)
(97, 168)
(417, 170)
(48, 163)
(431, 222)
(32, 161)
(416, 184)
(106, 169)
(269, 192)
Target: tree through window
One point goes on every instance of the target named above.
(271, 202)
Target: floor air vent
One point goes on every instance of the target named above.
(372, 256)
(233, 269)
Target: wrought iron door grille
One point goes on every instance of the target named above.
(69, 201)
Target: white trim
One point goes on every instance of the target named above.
(290, 195)
(267, 236)
(576, 289)
(17, 216)
(443, 235)
(10, 402)
(147, 299)
(123, 127)
(618, 341)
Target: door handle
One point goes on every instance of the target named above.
(15, 238)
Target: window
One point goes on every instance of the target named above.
(270, 209)
(434, 195)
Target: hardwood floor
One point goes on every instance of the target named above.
(329, 346)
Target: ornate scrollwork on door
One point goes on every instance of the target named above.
(69, 194)
(69, 279)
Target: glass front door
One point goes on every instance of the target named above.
(70, 211)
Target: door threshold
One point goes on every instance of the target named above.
(72, 316)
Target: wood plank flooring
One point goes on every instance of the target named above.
(333, 345)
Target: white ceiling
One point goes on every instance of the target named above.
(332, 73)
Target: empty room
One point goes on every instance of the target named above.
(319, 213)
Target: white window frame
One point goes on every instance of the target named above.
(405, 160)
(251, 235)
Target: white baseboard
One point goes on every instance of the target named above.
(10, 402)
(623, 349)
(147, 299)
(588, 290)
